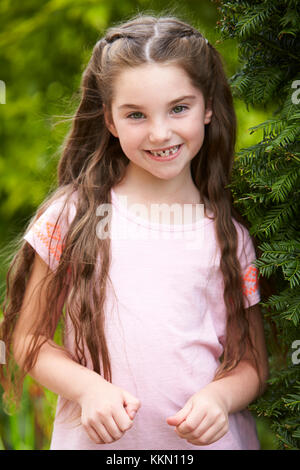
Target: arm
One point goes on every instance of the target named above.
(54, 368)
(204, 418)
(231, 387)
(105, 408)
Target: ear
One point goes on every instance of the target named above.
(109, 121)
(208, 112)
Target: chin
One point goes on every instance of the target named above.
(165, 177)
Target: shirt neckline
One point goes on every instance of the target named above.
(158, 226)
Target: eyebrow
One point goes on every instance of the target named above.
(177, 100)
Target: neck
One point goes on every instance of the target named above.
(144, 187)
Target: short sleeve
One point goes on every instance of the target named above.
(247, 257)
(47, 233)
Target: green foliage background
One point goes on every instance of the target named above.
(266, 184)
(44, 47)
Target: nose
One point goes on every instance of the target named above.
(159, 131)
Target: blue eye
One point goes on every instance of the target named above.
(136, 115)
(179, 108)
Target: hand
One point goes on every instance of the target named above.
(107, 411)
(203, 419)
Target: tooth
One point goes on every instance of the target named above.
(166, 153)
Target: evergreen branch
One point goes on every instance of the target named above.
(275, 218)
(287, 306)
(265, 188)
(270, 127)
(254, 18)
(287, 136)
(285, 185)
(274, 45)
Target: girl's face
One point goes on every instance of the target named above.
(159, 118)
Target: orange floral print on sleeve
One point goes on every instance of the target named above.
(52, 234)
(250, 280)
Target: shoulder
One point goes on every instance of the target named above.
(47, 229)
(60, 207)
(244, 239)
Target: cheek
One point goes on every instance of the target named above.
(194, 133)
(192, 129)
(129, 142)
(130, 137)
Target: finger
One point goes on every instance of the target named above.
(181, 415)
(93, 435)
(191, 423)
(110, 431)
(220, 429)
(131, 402)
(210, 436)
(103, 433)
(131, 410)
(203, 427)
(210, 422)
(123, 421)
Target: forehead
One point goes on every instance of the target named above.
(144, 83)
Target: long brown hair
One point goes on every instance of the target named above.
(92, 162)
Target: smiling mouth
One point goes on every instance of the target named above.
(166, 152)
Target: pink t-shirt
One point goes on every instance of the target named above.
(165, 322)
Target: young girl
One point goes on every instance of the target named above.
(163, 338)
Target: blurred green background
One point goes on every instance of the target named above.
(44, 48)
